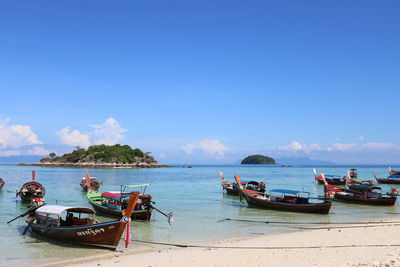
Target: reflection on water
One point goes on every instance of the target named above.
(193, 194)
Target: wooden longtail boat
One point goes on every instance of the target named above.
(89, 183)
(2, 182)
(393, 172)
(233, 188)
(288, 200)
(354, 183)
(330, 179)
(31, 190)
(359, 194)
(391, 179)
(111, 202)
(78, 225)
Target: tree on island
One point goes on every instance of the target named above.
(258, 159)
(103, 154)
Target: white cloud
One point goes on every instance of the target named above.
(107, 133)
(343, 147)
(212, 148)
(188, 148)
(296, 146)
(73, 138)
(38, 150)
(14, 136)
(17, 140)
(379, 146)
(361, 138)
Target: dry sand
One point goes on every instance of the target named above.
(323, 255)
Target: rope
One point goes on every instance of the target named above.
(266, 248)
(319, 223)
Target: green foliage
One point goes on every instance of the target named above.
(52, 155)
(103, 154)
(258, 159)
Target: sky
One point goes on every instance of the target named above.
(203, 81)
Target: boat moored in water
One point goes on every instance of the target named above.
(112, 202)
(285, 200)
(393, 172)
(32, 190)
(89, 183)
(233, 188)
(330, 179)
(2, 182)
(391, 179)
(359, 194)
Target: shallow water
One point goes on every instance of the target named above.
(193, 194)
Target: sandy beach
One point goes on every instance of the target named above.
(335, 245)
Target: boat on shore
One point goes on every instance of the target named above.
(359, 194)
(32, 191)
(112, 202)
(330, 179)
(233, 188)
(89, 183)
(2, 182)
(79, 225)
(285, 200)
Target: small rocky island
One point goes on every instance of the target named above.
(258, 159)
(102, 156)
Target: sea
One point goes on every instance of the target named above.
(194, 195)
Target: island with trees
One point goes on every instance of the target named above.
(102, 156)
(258, 159)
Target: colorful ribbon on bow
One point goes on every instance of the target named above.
(127, 230)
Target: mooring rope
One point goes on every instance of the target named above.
(319, 223)
(266, 248)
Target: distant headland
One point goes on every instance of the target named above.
(258, 159)
(102, 156)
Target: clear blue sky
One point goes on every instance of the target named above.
(248, 76)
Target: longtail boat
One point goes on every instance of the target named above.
(285, 200)
(391, 179)
(112, 202)
(79, 225)
(233, 188)
(330, 179)
(359, 194)
(89, 183)
(32, 190)
(2, 182)
(354, 183)
(393, 172)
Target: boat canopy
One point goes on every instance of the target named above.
(286, 191)
(55, 209)
(332, 176)
(111, 193)
(136, 185)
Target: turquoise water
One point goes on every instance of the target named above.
(193, 194)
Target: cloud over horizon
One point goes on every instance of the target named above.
(109, 132)
(16, 140)
(211, 148)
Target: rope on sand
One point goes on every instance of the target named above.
(319, 223)
(265, 248)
